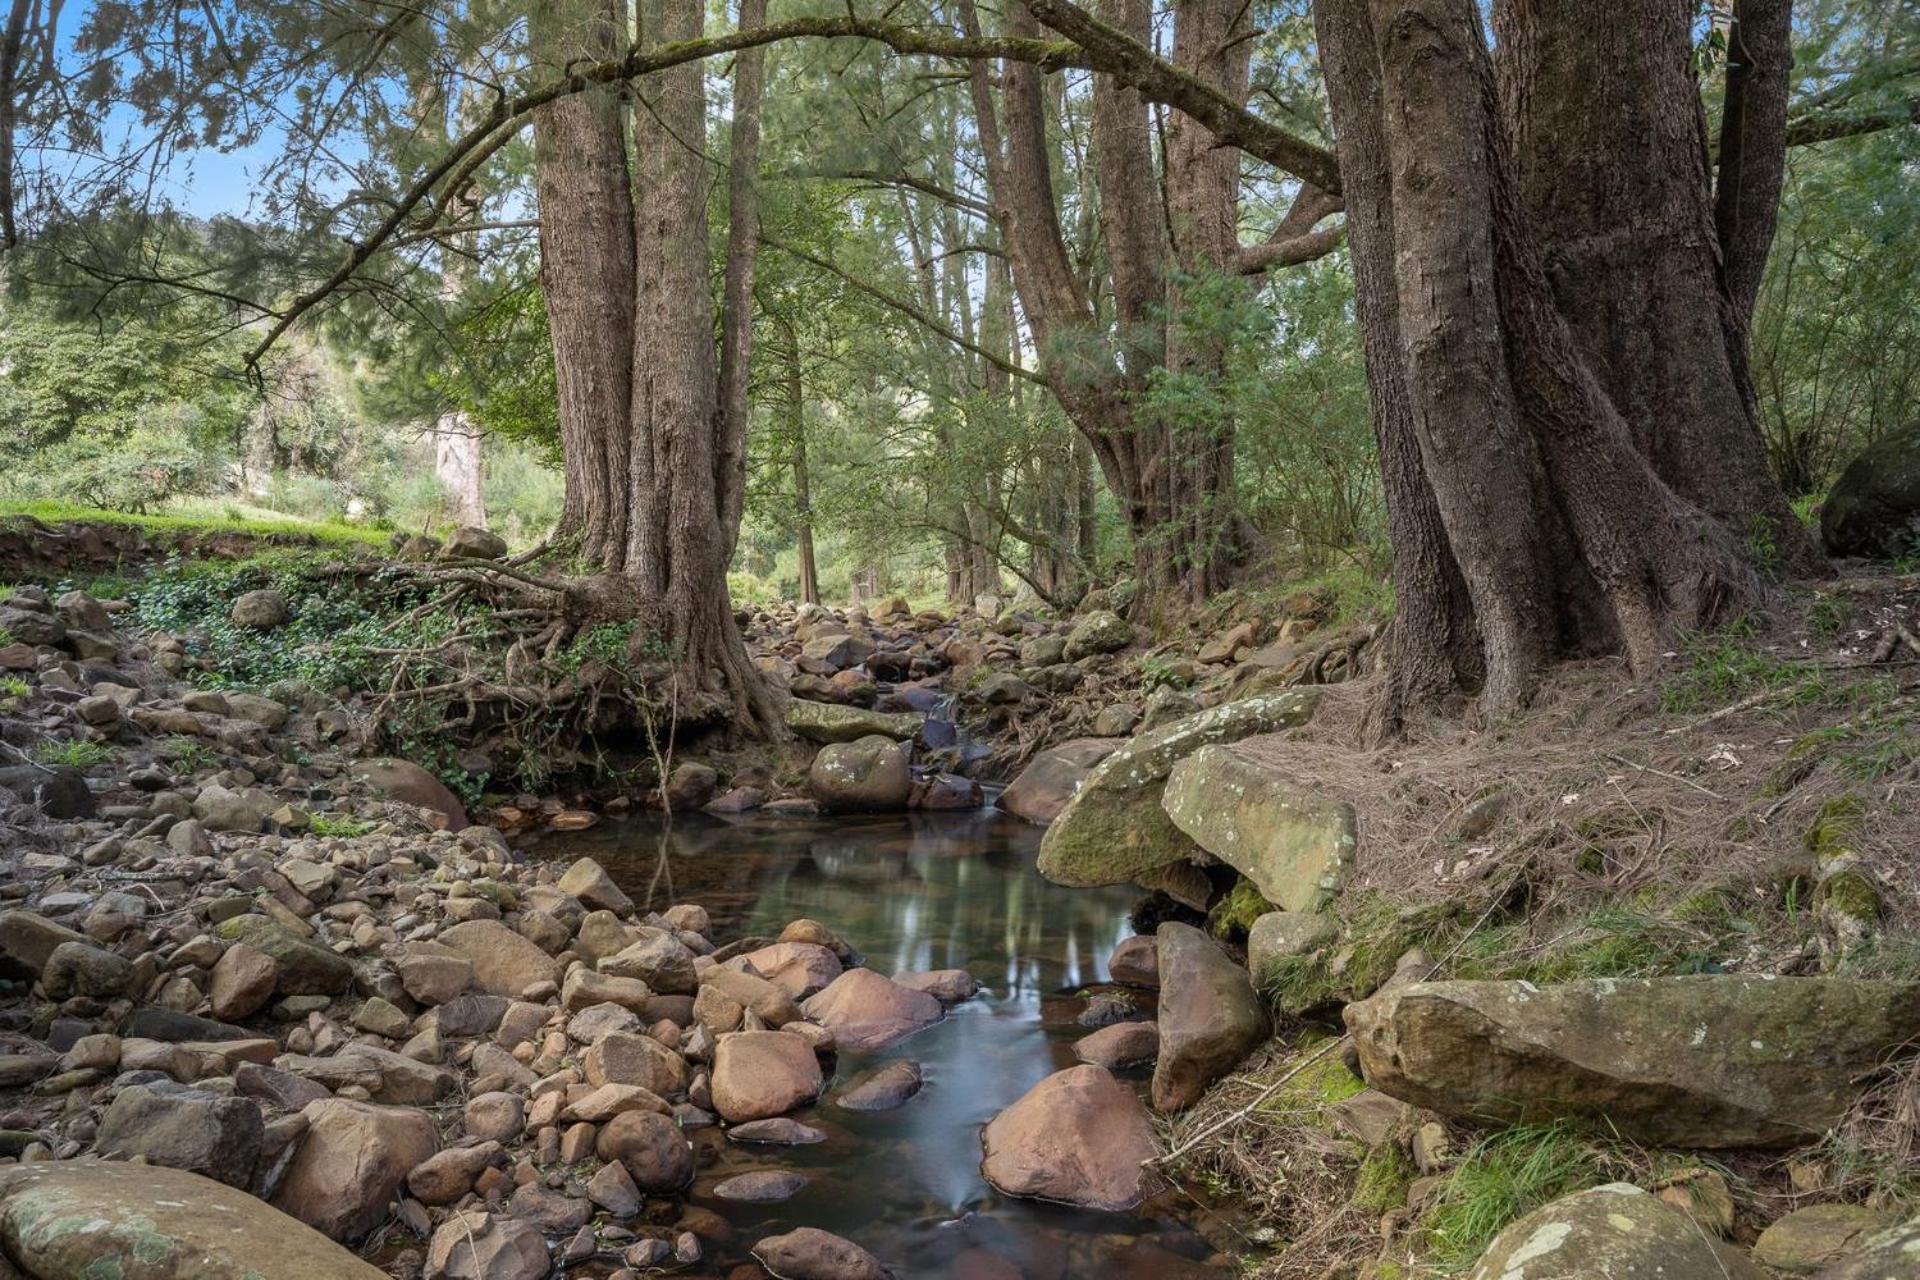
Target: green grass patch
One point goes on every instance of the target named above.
(342, 825)
(74, 753)
(1506, 1176)
(199, 522)
(14, 687)
(1374, 935)
(1721, 667)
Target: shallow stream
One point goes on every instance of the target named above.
(914, 892)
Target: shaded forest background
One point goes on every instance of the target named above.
(893, 411)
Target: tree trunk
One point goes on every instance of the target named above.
(796, 413)
(1753, 146)
(1565, 538)
(586, 242)
(1610, 161)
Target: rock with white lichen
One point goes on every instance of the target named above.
(1615, 1232)
(1706, 1060)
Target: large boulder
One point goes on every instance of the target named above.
(184, 1129)
(866, 1011)
(1708, 1060)
(1801, 1242)
(79, 1219)
(1209, 1016)
(1101, 631)
(504, 963)
(1079, 1137)
(353, 1158)
(1615, 1232)
(761, 1074)
(408, 783)
(835, 722)
(30, 939)
(1114, 829)
(1294, 845)
(1042, 789)
(1874, 507)
(261, 610)
(867, 775)
(470, 542)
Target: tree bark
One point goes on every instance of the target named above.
(1610, 155)
(1753, 146)
(1566, 539)
(795, 407)
(587, 241)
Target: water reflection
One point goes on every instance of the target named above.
(924, 891)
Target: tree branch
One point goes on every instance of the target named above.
(1828, 126)
(1291, 252)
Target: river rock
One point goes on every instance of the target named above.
(353, 1158)
(1893, 1254)
(1079, 1137)
(445, 1177)
(656, 958)
(1615, 1232)
(808, 1253)
(81, 969)
(305, 969)
(58, 790)
(1279, 935)
(1124, 1044)
(1114, 829)
(433, 973)
(1801, 1242)
(30, 938)
(777, 1131)
(504, 963)
(761, 1074)
(67, 1219)
(882, 1088)
(762, 1186)
(798, 968)
(869, 774)
(184, 1129)
(1292, 844)
(1210, 1018)
(624, 1057)
(588, 881)
(948, 986)
(836, 722)
(476, 1245)
(243, 980)
(1136, 962)
(651, 1147)
(750, 991)
(408, 783)
(1706, 1060)
(1041, 790)
(1873, 509)
(866, 1011)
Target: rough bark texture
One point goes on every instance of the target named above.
(586, 240)
(1610, 156)
(1565, 537)
(1753, 145)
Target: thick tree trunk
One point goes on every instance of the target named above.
(586, 241)
(1566, 539)
(1753, 145)
(1610, 156)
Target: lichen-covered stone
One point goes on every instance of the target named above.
(1802, 1242)
(1101, 631)
(61, 1220)
(1114, 829)
(1294, 845)
(1706, 1060)
(834, 722)
(1615, 1232)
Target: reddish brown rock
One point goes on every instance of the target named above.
(798, 968)
(351, 1162)
(811, 1254)
(1124, 1044)
(1079, 1137)
(243, 982)
(760, 1074)
(866, 1011)
(1210, 1016)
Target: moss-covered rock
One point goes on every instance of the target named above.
(1114, 829)
(1292, 844)
(306, 969)
(1615, 1232)
(1101, 631)
(835, 722)
(1708, 1060)
(1805, 1240)
(1874, 508)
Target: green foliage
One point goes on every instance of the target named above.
(1506, 1176)
(274, 528)
(340, 825)
(75, 753)
(1720, 667)
(13, 686)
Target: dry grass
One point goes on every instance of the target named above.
(1643, 827)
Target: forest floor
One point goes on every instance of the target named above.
(1755, 810)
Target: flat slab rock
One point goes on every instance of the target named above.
(1707, 1060)
(72, 1218)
